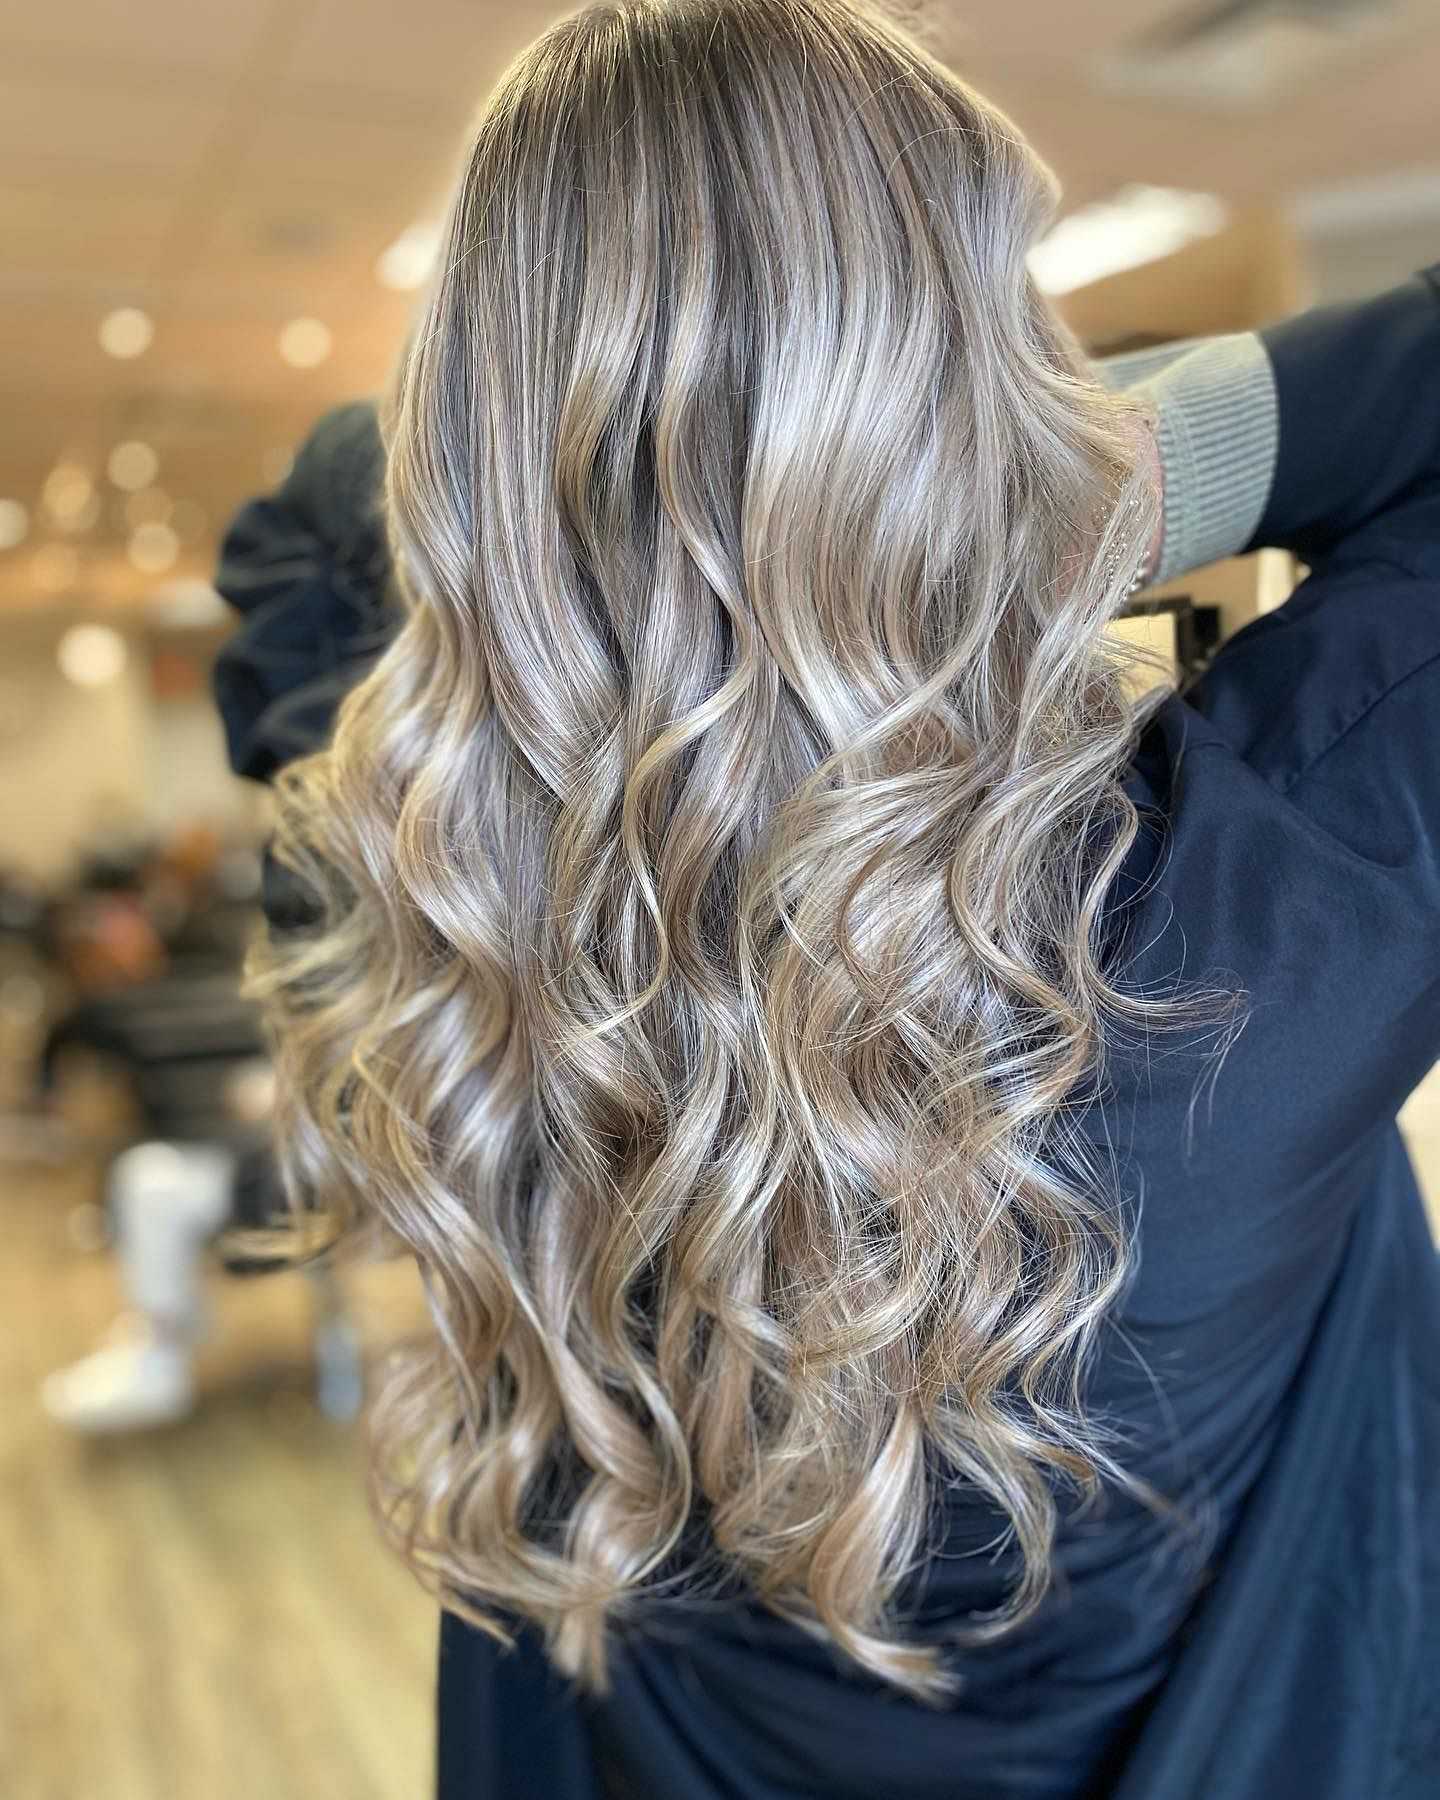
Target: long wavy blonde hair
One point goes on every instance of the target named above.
(713, 869)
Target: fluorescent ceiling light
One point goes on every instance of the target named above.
(1239, 54)
(1140, 225)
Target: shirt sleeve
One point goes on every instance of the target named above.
(1358, 400)
(1317, 864)
(1299, 436)
(1307, 692)
(1215, 409)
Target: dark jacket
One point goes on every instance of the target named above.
(308, 571)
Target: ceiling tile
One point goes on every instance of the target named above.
(117, 128)
(232, 166)
(185, 33)
(71, 226)
(339, 148)
(417, 52)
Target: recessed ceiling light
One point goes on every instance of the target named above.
(409, 259)
(187, 602)
(14, 523)
(91, 655)
(133, 465)
(305, 343)
(68, 492)
(83, 518)
(154, 548)
(126, 332)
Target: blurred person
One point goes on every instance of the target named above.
(167, 1078)
(309, 570)
(158, 1063)
(167, 1202)
(195, 1163)
(138, 907)
(99, 930)
(25, 976)
(116, 840)
(737, 933)
(104, 938)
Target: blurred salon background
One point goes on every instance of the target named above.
(213, 222)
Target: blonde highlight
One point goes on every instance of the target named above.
(714, 867)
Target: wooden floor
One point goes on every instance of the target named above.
(205, 1612)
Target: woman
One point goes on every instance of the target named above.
(930, 1296)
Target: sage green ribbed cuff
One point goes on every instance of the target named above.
(1218, 430)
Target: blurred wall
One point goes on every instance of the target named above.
(77, 759)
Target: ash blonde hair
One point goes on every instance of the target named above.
(713, 868)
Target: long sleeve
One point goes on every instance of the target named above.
(1215, 409)
(1358, 388)
(1298, 435)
